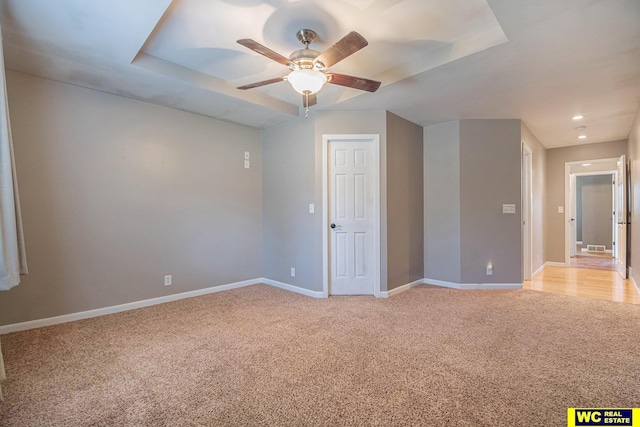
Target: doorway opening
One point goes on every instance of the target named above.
(591, 240)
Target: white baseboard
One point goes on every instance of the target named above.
(394, 291)
(538, 271)
(32, 324)
(469, 286)
(442, 283)
(632, 280)
(554, 264)
(292, 288)
(547, 264)
(49, 321)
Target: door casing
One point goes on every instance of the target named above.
(527, 217)
(568, 201)
(622, 217)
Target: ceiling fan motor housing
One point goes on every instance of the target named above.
(303, 58)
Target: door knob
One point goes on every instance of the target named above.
(333, 225)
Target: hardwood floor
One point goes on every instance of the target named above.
(584, 282)
(594, 261)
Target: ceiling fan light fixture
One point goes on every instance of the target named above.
(305, 80)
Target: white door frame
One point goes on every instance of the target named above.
(622, 242)
(527, 201)
(375, 140)
(567, 198)
(573, 214)
(614, 217)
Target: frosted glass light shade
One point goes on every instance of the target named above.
(306, 80)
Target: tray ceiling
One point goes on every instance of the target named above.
(438, 60)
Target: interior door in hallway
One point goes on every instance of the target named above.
(621, 215)
(352, 231)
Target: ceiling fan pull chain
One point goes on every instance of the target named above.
(306, 115)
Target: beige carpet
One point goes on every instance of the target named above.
(263, 356)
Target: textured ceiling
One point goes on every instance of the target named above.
(438, 60)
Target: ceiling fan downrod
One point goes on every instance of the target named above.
(306, 36)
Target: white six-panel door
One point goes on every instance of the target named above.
(352, 216)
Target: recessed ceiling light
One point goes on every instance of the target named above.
(582, 137)
(583, 127)
(586, 164)
(578, 117)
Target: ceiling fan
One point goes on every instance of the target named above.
(309, 68)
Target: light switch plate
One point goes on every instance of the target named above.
(246, 164)
(246, 155)
(312, 208)
(509, 208)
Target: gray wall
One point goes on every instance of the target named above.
(292, 179)
(490, 169)
(472, 168)
(352, 122)
(556, 158)
(595, 209)
(634, 172)
(538, 178)
(288, 181)
(442, 202)
(117, 193)
(405, 198)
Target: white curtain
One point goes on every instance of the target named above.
(12, 254)
(13, 261)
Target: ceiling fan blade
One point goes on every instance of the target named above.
(262, 83)
(349, 44)
(263, 50)
(312, 100)
(354, 82)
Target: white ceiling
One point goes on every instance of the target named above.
(542, 61)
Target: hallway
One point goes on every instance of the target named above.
(585, 282)
(594, 261)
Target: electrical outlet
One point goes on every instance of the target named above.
(293, 272)
(490, 269)
(167, 280)
(312, 208)
(247, 156)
